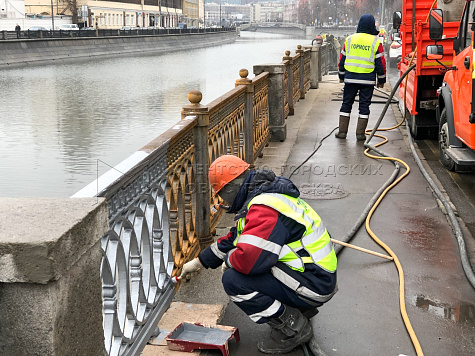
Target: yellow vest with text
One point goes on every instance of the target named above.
(360, 51)
(315, 240)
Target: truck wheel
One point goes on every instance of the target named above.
(413, 126)
(447, 162)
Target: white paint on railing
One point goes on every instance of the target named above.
(111, 176)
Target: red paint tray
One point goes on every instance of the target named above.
(188, 337)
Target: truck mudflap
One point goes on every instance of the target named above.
(446, 101)
(462, 156)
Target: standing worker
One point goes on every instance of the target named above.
(17, 30)
(278, 261)
(361, 60)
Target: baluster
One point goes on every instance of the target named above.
(200, 166)
(248, 115)
(290, 83)
(301, 71)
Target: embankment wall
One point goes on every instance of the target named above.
(14, 53)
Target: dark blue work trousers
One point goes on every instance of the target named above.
(260, 296)
(349, 93)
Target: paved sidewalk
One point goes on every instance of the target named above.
(363, 318)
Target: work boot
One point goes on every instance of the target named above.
(288, 331)
(343, 126)
(360, 129)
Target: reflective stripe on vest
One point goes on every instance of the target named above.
(361, 49)
(315, 240)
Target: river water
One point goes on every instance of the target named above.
(64, 124)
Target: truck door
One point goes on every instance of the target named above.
(463, 61)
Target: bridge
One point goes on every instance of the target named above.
(270, 25)
(98, 266)
(296, 30)
(282, 28)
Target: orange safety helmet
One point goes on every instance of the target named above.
(224, 169)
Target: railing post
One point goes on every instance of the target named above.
(313, 66)
(4, 35)
(277, 124)
(319, 65)
(248, 116)
(200, 166)
(290, 83)
(301, 71)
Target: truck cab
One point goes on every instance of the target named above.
(455, 111)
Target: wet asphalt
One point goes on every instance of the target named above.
(364, 318)
(338, 181)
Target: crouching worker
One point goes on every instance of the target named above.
(281, 265)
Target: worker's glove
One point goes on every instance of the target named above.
(380, 85)
(342, 80)
(190, 269)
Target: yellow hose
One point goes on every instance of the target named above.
(402, 298)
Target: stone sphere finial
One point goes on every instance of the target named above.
(299, 46)
(287, 53)
(243, 73)
(195, 96)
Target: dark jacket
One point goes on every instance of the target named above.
(268, 224)
(365, 25)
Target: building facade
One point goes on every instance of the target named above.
(226, 14)
(116, 14)
(12, 9)
(291, 12)
(191, 9)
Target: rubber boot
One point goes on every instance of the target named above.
(360, 129)
(343, 127)
(288, 331)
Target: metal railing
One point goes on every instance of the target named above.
(296, 79)
(260, 116)
(287, 80)
(306, 71)
(161, 209)
(91, 32)
(326, 58)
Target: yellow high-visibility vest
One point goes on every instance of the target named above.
(360, 51)
(315, 240)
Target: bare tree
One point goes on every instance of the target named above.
(70, 8)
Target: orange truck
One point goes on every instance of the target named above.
(419, 92)
(438, 94)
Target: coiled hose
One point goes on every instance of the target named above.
(379, 195)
